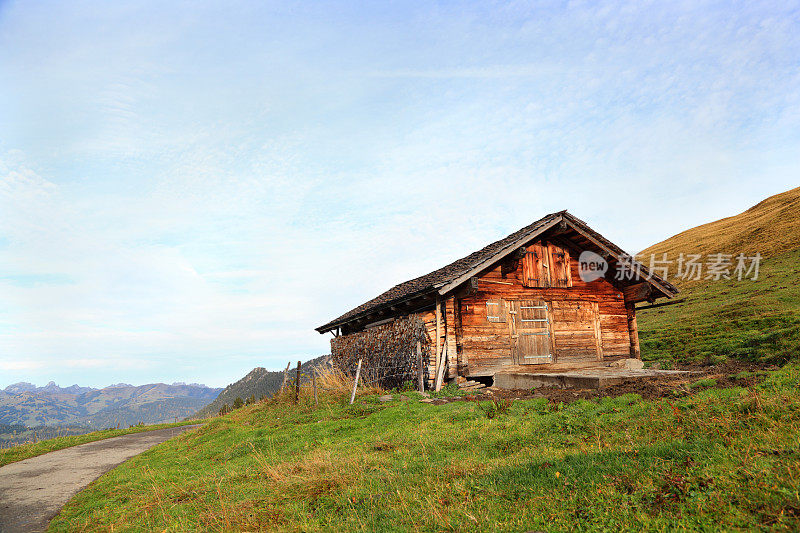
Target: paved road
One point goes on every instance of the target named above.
(33, 491)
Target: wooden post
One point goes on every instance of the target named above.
(314, 385)
(438, 352)
(633, 330)
(297, 384)
(437, 384)
(285, 375)
(355, 383)
(420, 381)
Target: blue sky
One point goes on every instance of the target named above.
(188, 189)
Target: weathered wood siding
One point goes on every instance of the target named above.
(487, 346)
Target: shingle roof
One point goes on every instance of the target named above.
(442, 276)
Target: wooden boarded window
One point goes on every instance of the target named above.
(576, 328)
(560, 272)
(536, 266)
(496, 310)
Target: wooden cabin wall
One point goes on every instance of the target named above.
(487, 345)
(450, 336)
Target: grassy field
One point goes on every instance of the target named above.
(750, 320)
(713, 459)
(25, 451)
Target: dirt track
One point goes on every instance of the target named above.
(725, 374)
(33, 491)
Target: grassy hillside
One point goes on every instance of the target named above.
(708, 459)
(752, 320)
(16, 434)
(771, 227)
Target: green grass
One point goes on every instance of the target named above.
(750, 320)
(716, 459)
(26, 451)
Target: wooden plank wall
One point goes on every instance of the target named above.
(487, 345)
(450, 334)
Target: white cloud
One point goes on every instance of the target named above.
(21, 365)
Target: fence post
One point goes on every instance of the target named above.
(355, 383)
(314, 385)
(297, 384)
(285, 375)
(420, 381)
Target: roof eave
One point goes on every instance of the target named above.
(397, 301)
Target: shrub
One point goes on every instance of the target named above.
(708, 382)
(496, 407)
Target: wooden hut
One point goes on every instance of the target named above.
(524, 302)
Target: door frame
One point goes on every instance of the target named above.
(516, 331)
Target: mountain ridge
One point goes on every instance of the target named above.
(258, 382)
(115, 405)
(771, 227)
(756, 318)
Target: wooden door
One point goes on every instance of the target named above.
(530, 329)
(576, 331)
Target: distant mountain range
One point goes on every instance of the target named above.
(116, 405)
(258, 382)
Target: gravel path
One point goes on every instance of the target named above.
(33, 491)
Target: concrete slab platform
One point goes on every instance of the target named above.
(585, 378)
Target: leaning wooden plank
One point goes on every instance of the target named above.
(420, 381)
(437, 386)
(355, 383)
(438, 352)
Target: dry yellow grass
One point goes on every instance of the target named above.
(333, 385)
(770, 228)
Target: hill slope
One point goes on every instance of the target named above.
(771, 227)
(747, 319)
(258, 382)
(700, 459)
